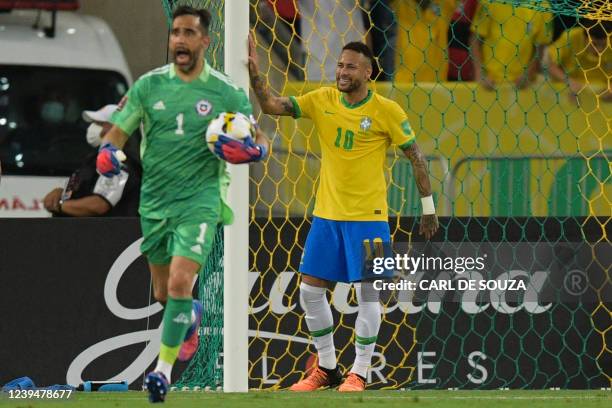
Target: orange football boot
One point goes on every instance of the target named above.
(353, 383)
(318, 378)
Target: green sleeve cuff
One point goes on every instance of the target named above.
(407, 144)
(124, 128)
(296, 107)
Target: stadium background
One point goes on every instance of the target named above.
(505, 164)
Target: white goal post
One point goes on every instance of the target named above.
(236, 236)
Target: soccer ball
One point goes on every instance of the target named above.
(234, 125)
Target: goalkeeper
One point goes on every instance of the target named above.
(355, 128)
(181, 193)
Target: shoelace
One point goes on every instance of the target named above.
(355, 379)
(318, 376)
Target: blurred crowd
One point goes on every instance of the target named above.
(440, 40)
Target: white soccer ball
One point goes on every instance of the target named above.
(234, 125)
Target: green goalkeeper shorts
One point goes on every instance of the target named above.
(188, 235)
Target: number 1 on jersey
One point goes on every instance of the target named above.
(179, 124)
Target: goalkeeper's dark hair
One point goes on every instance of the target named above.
(203, 14)
(361, 48)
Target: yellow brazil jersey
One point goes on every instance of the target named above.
(354, 141)
(509, 35)
(422, 40)
(573, 54)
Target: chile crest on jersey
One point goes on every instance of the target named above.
(203, 107)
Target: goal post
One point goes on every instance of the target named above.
(236, 250)
(222, 360)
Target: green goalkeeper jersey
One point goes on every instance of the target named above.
(179, 172)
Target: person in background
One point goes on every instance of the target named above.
(460, 66)
(382, 37)
(278, 23)
(288, 13)
(422, 40)
(88, 194)
(562, 19)
(325, 26)
(582, 56)
(508, 44)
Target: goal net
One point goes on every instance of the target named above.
(519, 159)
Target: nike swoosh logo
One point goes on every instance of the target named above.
(329, 113)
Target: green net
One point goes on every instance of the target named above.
(595, 9)
(205, 369)
(517, 154)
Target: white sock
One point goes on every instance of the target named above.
(366, 332)
(320, 323)
(164, 368)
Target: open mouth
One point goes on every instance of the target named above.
(344, 82)
(182, 56)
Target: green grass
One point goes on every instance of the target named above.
(323, 399)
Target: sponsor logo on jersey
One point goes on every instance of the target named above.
(203, 107)
(159, 105)
(365, 124)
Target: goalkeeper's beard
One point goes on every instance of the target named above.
(188, 67)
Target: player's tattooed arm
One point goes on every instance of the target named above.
(429, 223)
(272, 105)
(419, 168)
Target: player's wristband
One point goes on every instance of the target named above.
(428, 205)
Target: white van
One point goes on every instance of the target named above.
(48, 76)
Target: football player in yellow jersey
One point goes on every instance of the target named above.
(355, 128)
(508, 43)
(583, 56)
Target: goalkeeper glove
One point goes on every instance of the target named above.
(108, 162)
(237, 152)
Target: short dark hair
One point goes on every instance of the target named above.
(361, 48)
(203, 14)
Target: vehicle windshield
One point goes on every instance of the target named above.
(42, 131)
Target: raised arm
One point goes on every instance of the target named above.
(429, 221)
(272, 105)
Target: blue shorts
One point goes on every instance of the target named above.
(335, 250)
